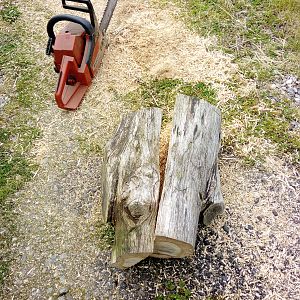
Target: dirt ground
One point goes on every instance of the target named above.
(251, 252)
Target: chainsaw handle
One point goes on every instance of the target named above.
(87, 26)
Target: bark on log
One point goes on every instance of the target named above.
(192, 182)
(131, 186)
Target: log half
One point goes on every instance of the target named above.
(131, 186)
(191, 181)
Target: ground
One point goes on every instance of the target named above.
(59, 246)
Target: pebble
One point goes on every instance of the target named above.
(294, 125)
(206, 241)
(249, 227)
(291, 86)
(63, 291)
(291, 91)
(226, 228)
(275, 213)
(289, 81)
(3, 100)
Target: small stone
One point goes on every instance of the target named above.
(294, 125)
(206, 241)
(249, 227)
(219, 255)
(226, 228)
(291, 91)
(123, 285)
(259, 218)
(275, 213)
(63, 291)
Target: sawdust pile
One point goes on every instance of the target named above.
(147, 41)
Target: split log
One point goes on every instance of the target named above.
(131, 186)
(192, 182)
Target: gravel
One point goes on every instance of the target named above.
(290, 85)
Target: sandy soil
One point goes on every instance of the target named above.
(251, 252)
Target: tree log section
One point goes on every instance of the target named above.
(191, 182)
(131, 186)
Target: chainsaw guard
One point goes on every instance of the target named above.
(70, 90)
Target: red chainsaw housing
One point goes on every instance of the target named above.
(70, 52)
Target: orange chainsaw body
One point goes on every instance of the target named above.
(70, 59)
(77, 50)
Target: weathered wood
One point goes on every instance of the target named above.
(131, 186)
(214, 204)
(191, 182)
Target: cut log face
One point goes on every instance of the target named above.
(191, 182)
(131, 186)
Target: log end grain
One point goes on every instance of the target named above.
(127, 260)
(165, 247)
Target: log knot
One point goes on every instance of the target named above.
(137, 198)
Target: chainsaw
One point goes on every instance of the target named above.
(78, 50)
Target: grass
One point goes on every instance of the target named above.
(88, 146)
(263, 35)
(10, 12)
(162, 92)
(18, 119)
(174, 291)
(104, 235)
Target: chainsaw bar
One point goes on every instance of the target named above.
(107, 15)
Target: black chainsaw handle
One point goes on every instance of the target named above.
(87, 26)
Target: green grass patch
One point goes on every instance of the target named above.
(174, 291)
(104, 235)
(264, 39)
(162, 93)
(250, 29)
(88, 146)
(264, 119)
(9, 12)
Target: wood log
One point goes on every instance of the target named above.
(214, 205)
(191, 182)
(131, 186)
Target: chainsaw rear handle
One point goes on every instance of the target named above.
(87, 26)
